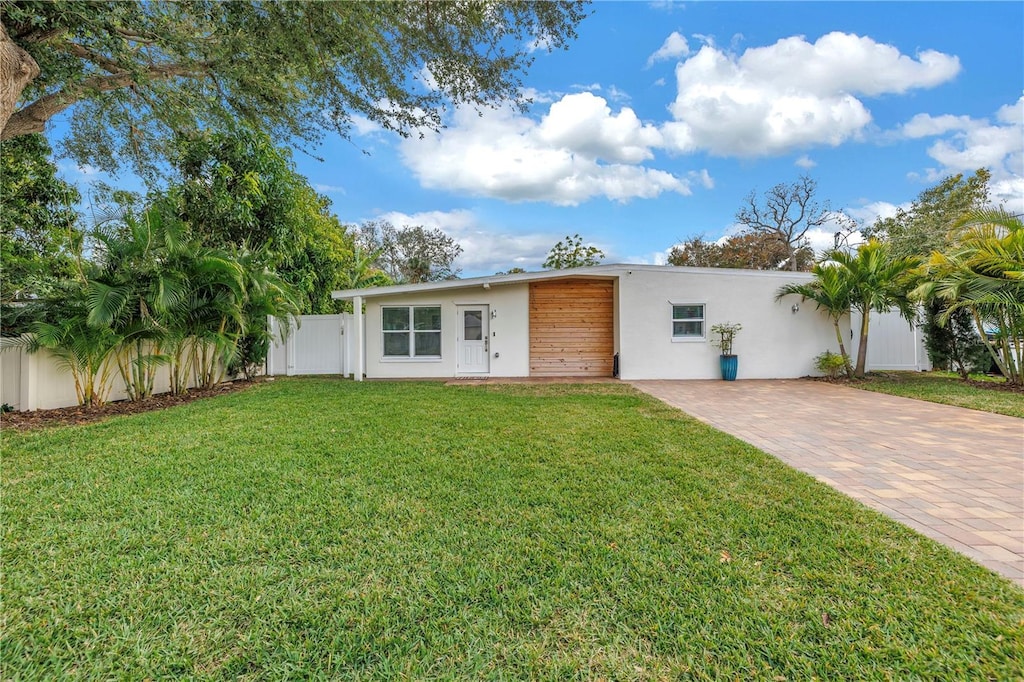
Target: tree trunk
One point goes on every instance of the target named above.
(17, 70)
(862, 351)
(842, 349)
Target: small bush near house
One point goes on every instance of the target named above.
(830, 364)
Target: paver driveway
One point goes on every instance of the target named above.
(956, 475)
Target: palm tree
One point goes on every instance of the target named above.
(363, 272)
(984, 273)
(830, 293)
(868, 279)
(79, 347)
(267, 295)
(878, 282)
(199, 327)
(131, 290)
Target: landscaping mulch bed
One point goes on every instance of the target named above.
(71, 416)
(995, 385)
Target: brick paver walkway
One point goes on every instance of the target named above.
(953, 474)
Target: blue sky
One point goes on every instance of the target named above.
(661, 117)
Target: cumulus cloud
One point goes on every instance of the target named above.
(486, 249)
(791, 94)
(540, 96)
(868, 213)
(675, 46)
(966, 144)
(538, 44)
(364, 126)
(924, 125)
(703, 177)
(80, 170)
(805, 162)
(329, 189)
(578, 150)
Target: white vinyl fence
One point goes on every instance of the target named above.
(893, 343)
(316, 344)
(38, 381)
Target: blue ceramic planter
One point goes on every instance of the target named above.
(729, 365)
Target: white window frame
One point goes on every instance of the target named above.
(411, 332)
(703, 319)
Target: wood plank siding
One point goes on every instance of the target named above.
(571, 328)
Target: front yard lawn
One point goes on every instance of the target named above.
(320, 528)
(983, 393)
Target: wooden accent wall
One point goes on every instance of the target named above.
(571, 328)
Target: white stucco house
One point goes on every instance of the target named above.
(633, 321)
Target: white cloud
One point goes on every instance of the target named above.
(967, 144)
(1012, 114)
(703, 177)
(822, 240)
(579, 150)
(485, 249)
(81, 170)
(539, 44)
(674, 46)
(924, 125)
(364, 126)
(616, 95)
(666, 5)
(329, 189)
(1009, 192)
(585, 124)
(792, 94)
(805, 162)
(540, 96)
(660, 82)
(868, 213)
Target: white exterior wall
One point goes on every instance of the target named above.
(773, 343)
(509, 332)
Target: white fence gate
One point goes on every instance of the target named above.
(316, 344)
(892, 343)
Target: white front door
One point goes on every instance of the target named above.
(473, 342)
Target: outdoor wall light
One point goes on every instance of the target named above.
(795, 308)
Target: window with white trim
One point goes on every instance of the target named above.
(411, 331)
(688, 321)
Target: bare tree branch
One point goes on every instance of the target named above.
(786, 213)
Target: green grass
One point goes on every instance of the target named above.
(948, 389)
(326, 529)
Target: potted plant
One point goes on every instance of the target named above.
(726, 335)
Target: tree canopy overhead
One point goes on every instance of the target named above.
(37, 221)
(747, 250)
(136, 72)
(571, 252)
(929, 224)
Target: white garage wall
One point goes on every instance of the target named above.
(774, 342)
